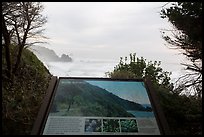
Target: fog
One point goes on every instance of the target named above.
(81, 68)
(106, 31)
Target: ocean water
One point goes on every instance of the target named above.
(81, 68)
(142, 113)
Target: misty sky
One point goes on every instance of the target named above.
(109, 30)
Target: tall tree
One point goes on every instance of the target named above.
(22, 24)
(186, 18)
(6, 34)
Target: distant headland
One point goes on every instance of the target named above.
(48, 55)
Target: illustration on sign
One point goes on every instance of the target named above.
(93, 106)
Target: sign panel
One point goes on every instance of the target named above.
(100, 106)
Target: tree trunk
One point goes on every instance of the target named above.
(69, 107)
(8, 60)
(71, 103)
(21, 44)
(7, 49)
(18, 60)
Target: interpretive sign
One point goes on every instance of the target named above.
(101, 106)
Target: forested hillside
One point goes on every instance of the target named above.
(84, 99)
(22, 97)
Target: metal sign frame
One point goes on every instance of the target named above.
(51, 91)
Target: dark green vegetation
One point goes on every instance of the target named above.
(140, 68)
(24, 77)
(79, 98)
(22, 97)
(111, 125)
(128, 125)
(183, 113)
(186, 18)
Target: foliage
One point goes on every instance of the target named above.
(129, 125)
(183, 113)
(22, 97)
(140, 68)
(186, 17)
(111, 125)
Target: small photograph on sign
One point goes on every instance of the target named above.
(111, 125)
(93, 125)
(128, 125)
